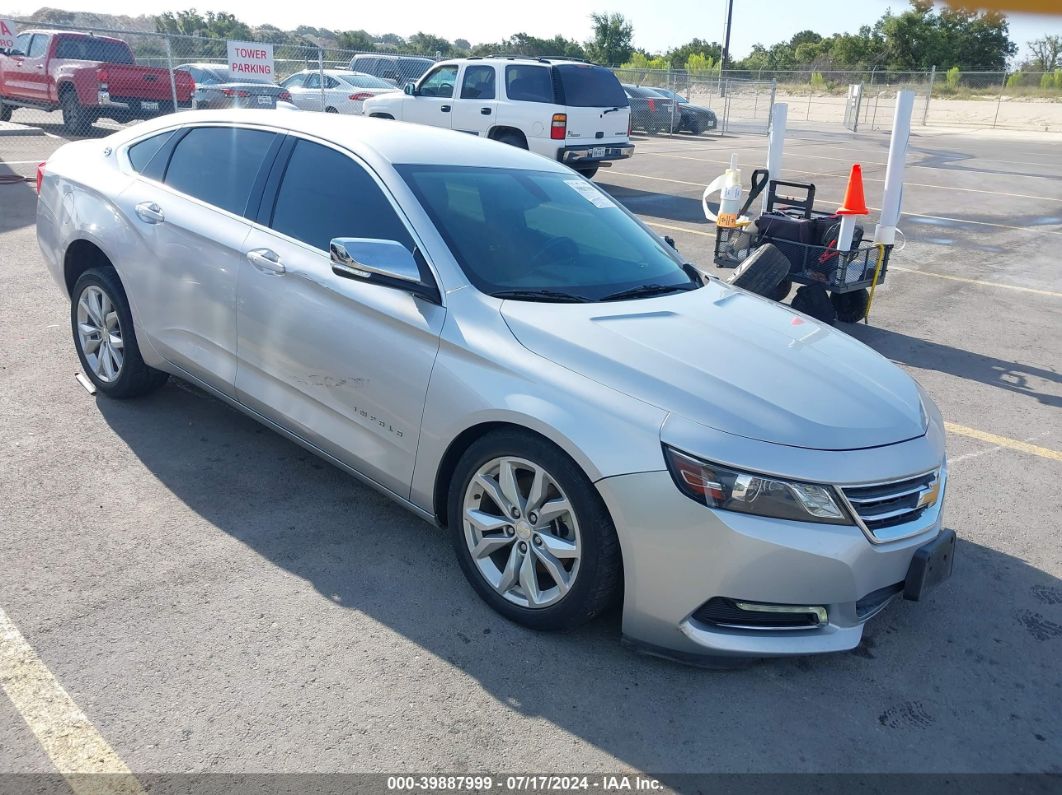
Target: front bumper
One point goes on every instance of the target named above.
(589, 154)
(678, 554)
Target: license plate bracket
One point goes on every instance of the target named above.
(931, 565)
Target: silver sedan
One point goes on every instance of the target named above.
(493, 342)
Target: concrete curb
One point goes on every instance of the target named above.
(9, 128)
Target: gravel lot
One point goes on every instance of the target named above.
(217, 600)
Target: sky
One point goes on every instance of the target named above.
(657, 26)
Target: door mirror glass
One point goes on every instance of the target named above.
(364, 257)
(410, 88)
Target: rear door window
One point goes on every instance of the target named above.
(219, 165)
(84, 48)
(529, 83)
(478, 82)
(325, 195)
(589, 86)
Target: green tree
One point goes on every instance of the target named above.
(427, 44)
(613, 35)
(921, 37)
(678, 56)
(524, 44)
(700, 65)
(355, 40)
(952, 78)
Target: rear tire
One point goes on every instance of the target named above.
(76, 120)
(812, 299)
(587, 171)
(781, 292)
(5, 112)
(582, 535)
(851, 307)
(695, 127)
(331, 110)
(104, 337)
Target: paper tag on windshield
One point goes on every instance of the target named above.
(590, 193)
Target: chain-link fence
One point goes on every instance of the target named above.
(708, 103)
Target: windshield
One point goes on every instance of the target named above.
(363, 81)
(589, 86)
(552, 234)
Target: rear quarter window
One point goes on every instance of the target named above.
(589, 86)
(143, 152)
(529, 83)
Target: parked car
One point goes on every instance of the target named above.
(650, 111)
(692, 118)
(570, 111)
(87, 77)
(215, 88)
(395, 69)
(507, 352)
(344, 92)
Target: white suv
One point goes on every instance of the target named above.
(566, 110)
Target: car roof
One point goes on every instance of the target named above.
(72, 34)
(373, 139)
(548, 60)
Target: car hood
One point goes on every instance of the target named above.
(696, 109)
(733, 361)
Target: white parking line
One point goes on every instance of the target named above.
(1033, 230)
(64, 732)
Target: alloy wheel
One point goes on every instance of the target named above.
(522, 532)
(99, 333)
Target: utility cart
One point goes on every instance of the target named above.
(835, 284)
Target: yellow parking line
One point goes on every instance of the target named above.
(976, 281)
(62, 729)
(1004, 441)
(678, 228)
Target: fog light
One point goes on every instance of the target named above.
(731, 613)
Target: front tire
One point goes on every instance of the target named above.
(5, 111)
(851, 307)
(531, 533)
(104, 337)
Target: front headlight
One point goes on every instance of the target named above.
(732, 490)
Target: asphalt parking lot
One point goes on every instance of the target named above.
(215, 599)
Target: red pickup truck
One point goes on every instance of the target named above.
(87, 77)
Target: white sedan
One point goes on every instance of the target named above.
(342, 92)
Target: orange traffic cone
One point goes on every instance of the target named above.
(854, 203)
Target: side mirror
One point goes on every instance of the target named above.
(363, 258)
(670, 241)
(410, 88)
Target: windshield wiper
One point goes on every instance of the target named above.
(546, 296)
(646, 290)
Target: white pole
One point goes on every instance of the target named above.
(775, 145)
(846, 232)
(892, 196)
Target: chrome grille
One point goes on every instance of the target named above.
(884, 505)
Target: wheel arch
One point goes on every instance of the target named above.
(79, 256)
(503, 129)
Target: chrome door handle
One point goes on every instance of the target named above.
(150, 213)
(265, 260)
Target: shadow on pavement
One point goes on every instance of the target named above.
(927, 355)
(18, 200)
(934, 686)
(686, 209)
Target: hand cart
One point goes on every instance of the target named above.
(808, 238)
